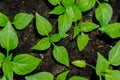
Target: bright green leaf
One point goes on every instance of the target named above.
(67, 3)
(3, 20)
(102, 65)
(106, 0)
(74, 13)
(79, 63)
(85, 5)
(24, 64)
(112, 75)
(58, 10)
(44, 27)
(61, 55)
(88, 26)
(55, 38)
(3, 78)
(54, 2)
(8, 58)
(77, 78)
(43, 44)
(76, 31)
(40, 76)
(63, 75)
(8, 70)
(113, 30)
(21, 20)
(64, 24)
(8, 37)
(2, 56)
(104, 13)
(82, 41)
(114, 55)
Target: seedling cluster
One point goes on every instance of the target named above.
(69, 13)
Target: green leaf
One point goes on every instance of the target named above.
(24, 64)
(106, 0)
(112, 75)
(77, 78)
(8, 58)
(8, 70)
(79, 63)
(76, 31)
(61, 55)
(58, 10)
(55, 38)
(113, 30)
(114, 55)
(102, 65)
(88, 26)
(64, 24)
(3, 20)
(3, 78)
(21, 20)
(104, 13)
(85, 5)
(44, 27)
(2, 56)
(74, 13)
(43, 44)
(67, 3)
(82, 41)
(8, 37)
(54, 2)
(63, 75)
(40, 76)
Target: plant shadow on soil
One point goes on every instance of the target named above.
(29, 37)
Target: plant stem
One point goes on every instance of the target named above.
(91, 66)
(98, 2)
(7, 52)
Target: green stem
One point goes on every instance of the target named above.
(91, 66)
(75, 23)
(98, 2)
(7, 52)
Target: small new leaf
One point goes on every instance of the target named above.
(61, 55)
(8, 37)
(114, 55)
(54, 2)
(40, 76)
(78, 78)
(2, 56)
(43, 44)
(3, 20)
(44, 27)
(104, 13)
(63, 75)
(24, 64)
(67, 3)
(76, 31)
(21, 20)
(79, 63)
(88, 26)
(82, 41)
(55, 38)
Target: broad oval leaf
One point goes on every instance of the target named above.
(44, 27)
(82, 41)
(104, 13)
(113, 30)
(63, 75)
(3, 20)
(61, 55)
(85, 5)
(58, 10)
(114, 55)
(67, 3)
(8, 37)
(112, 75)
(2, 56)
(88, 26)
(21, 20)
(74, 13)
(25, 63)
(8, 70)
(77, 78)
(43, 44)
(64, 24)
(79, 63)
(102, 65)
(54, 2)
(40, 76)
(55, 38)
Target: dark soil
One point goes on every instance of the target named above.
(28, 37)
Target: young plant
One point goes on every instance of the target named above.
(104, 67)
(44, 28)
(20, 64)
